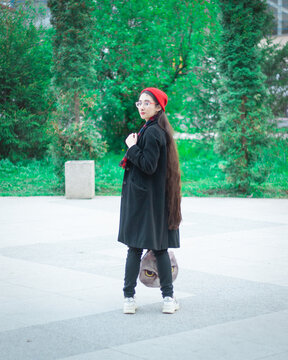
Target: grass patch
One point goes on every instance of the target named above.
(202, 174)
(109, 175)
(29, 178)
(200, 169)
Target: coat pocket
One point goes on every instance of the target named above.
(137, 187)
(137, 197)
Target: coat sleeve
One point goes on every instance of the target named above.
(146, 159)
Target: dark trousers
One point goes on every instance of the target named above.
(133, 266)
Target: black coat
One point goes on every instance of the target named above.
(144, 213)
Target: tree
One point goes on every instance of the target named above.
(25, 101)
(76, 136)
(243, 130)
(73, 71)
(140, 44)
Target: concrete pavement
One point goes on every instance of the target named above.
(61, 279)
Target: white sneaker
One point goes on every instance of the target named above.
(129, 306)
(170, 305)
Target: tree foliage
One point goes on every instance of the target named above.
(142, 44)
(198, 88)
(275, 67)
(75, 134)
(106, 52)
(24, 85)
(243, 127)
(73, 71)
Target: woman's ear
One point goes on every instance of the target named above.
(158, 108)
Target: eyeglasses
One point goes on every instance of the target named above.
(145, 103)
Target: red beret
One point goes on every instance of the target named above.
(160, 96)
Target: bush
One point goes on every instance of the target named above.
(243, 129)
(76, 141)
(25, 101)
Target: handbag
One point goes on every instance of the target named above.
(148, 273)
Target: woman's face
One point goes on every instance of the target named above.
(147, 107)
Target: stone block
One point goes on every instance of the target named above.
(80, 179)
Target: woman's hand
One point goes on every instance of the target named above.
(131, 139)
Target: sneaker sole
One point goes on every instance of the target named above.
(170, 310)
(130, 311)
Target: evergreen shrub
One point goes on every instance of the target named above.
(243, 131)
(25, 100)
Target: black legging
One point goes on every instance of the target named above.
(133, 266)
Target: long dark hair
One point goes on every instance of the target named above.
(173, 177)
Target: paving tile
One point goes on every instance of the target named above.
(238, 340)
(35, 343)
(45, 277)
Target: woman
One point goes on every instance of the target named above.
(150, 205)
